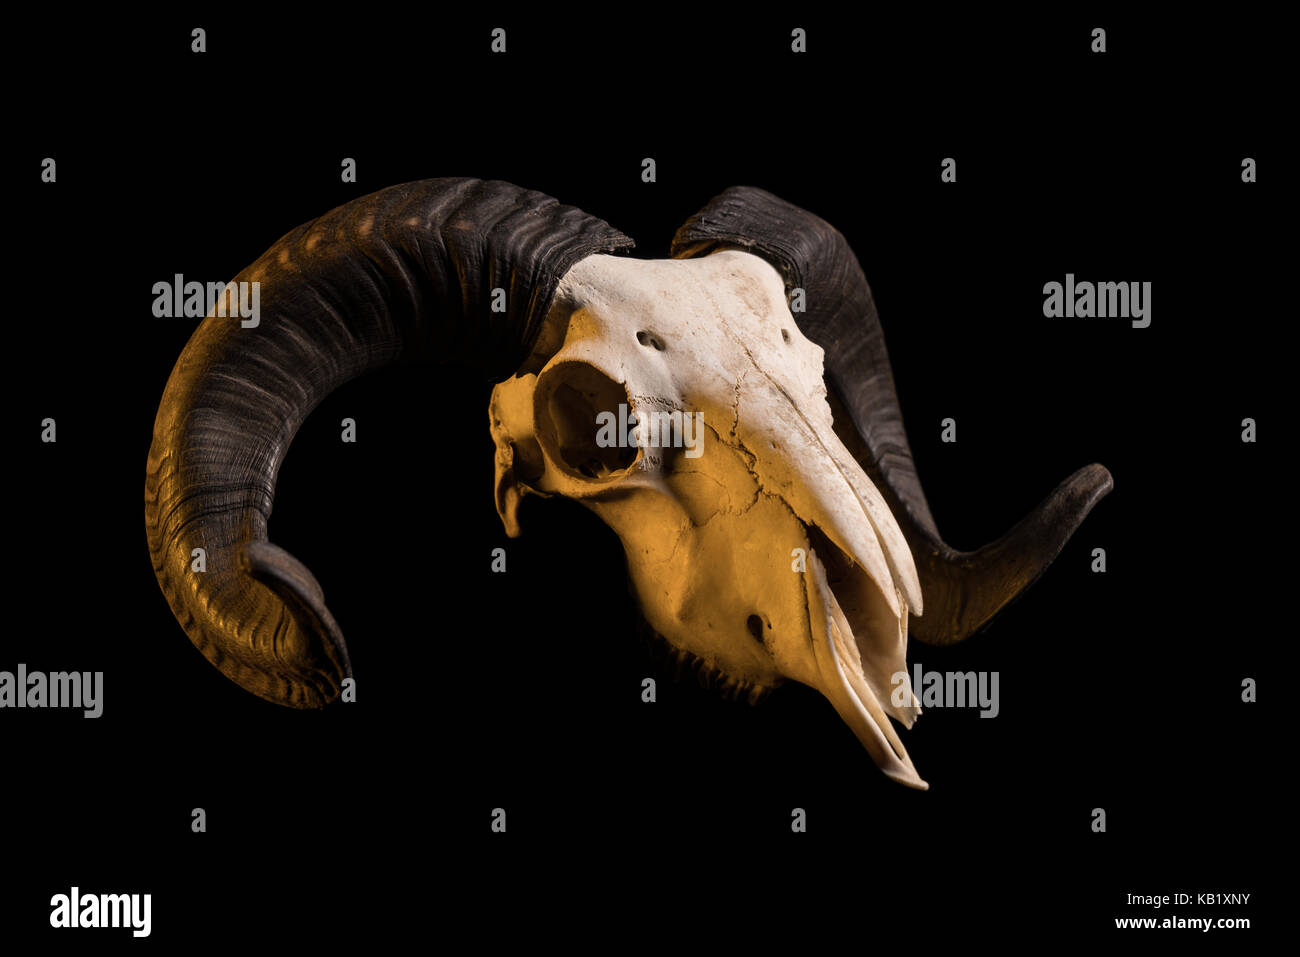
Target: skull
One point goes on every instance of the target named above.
(679, 401)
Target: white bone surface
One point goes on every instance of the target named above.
(710, 536)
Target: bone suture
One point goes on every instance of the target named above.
(408, 273)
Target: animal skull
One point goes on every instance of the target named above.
(755, 541)
(779, 532)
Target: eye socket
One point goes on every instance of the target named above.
(575, 405)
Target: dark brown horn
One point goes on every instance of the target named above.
(962, 591)
(407, 272)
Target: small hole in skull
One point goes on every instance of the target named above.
(755, 626)
(646, 339)
(785, 334)
(527, 458)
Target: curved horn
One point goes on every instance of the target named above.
(407, 272)
(962, 591)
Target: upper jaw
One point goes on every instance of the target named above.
(860, 650)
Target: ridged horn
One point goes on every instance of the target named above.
(962, 591)
(404, 273)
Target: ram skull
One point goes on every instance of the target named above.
(751, 459)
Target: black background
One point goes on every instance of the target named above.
(629, 822)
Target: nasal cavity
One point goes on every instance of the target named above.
(584, 414)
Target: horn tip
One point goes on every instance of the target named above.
(316, 658)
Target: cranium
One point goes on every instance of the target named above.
(774, 527)
(732, 469)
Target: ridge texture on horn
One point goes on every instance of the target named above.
(404, 273)
(962, 591)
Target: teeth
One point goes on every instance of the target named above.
(855, 687)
